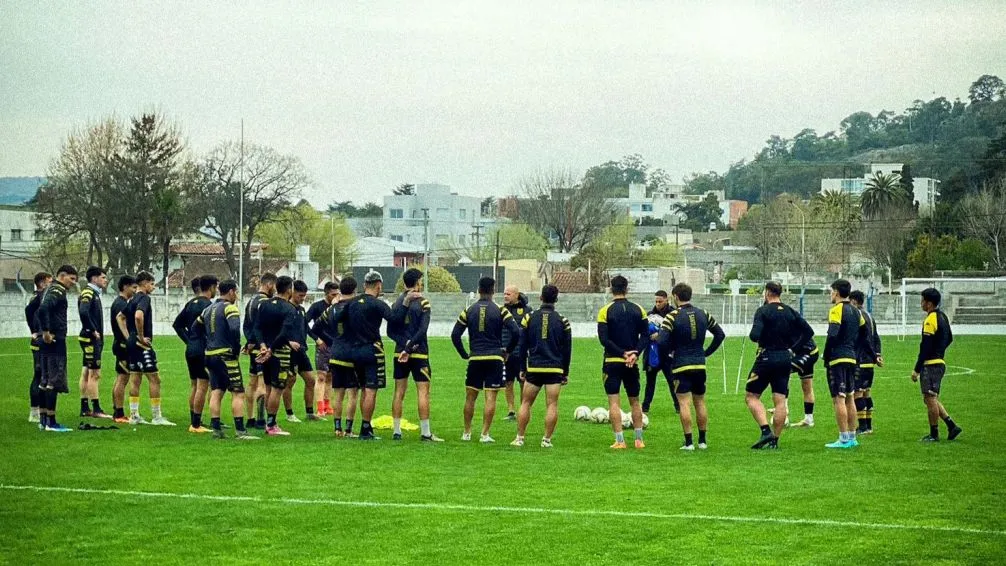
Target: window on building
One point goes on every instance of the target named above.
(647, 208)
(462, 240)
(443, 213)
(462, 214)
(415, 214)
(397, 238)
(396, 213)
(15, 235)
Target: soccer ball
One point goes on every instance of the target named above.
(599, 415)
(582, 413)
(646, 420)
(626, 419)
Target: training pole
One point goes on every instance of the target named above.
(740, 366)
(724, 348)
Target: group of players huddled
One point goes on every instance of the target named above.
(507, 344)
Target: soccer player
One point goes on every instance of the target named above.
(42, 280)
(864, 373)
(255, 397)
(777, 329)
(661, 308)
(484, 321)
(624, 333)
(683, 334)
(300, 360)
(218, 327)
(92, 341)
(412, 356)
(364, 314)
(52, 323)
(515, 302)
(322, 355)
(139, 317)
(845, 343)
(276, 329)
(546, 348)
(930, 365)
(805, 356)
(339, 338)
(205, 288)
(120, 334)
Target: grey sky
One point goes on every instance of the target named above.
(370, 95)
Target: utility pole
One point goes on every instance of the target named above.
(496, 262)
(478, 237)
(331, 275)
(426, 240)
(241, 216)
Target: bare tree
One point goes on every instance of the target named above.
(984, 215)
(558, 204)
(272, 184)
(371, 226)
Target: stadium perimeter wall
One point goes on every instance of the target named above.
(733, 311)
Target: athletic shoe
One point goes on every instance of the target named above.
(315, 417)
(430, 438)
(121, 420)
(396, 436)
(774, 445)
(56, 427)
(466, 437)
(954, 433)
(618, 446)
(339, 434)
(852, 442)
(350, 434)
(100, 415)
(839, 444)
(787, 423)
(41, 427)
(276, 431)
(703, 446)
(137, 420)
(511, 416)
(219, 435)
(803, 423)
(369, 436)
(199, 430)
(486, 439)
(770, 410)
(258, 425)
(929, 438)
(688, 448)
(546, 443)
(518, 442)
(243, 435)
(292, 418)
(161, 421)
(33, 417)
(868, 431)
(87, 414)
(640, 443)
(764, 441)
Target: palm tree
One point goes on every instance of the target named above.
(884, 193)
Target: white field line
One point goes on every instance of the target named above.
(501, 509)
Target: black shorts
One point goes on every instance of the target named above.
(691, 381)
(418, 367)
(36, 363)
(842, 379)
(617, 374)
(300, 362)
(225, 373)
(371, 365)
(511, 369)
(254, 368)
(770, 369)
(322, 357)
(864, 378)
(932, 378)
(276, 368)
(803, 366)
(121, 358)
(197, 367)
(343, 375)
(53, 377)
(142, 360)
(543, 378)
(91, 350)
(484, 374)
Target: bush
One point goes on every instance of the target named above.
(438, 280)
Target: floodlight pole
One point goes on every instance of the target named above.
(241, 214)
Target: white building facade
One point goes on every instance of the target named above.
(452, 221)
(925, 190)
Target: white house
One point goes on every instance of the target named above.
(925, 191)
(385, 252)
(432, 215)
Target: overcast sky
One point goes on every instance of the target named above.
(371, 95)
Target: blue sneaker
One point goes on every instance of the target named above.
(56, 427)
(839, 444)
(852, 443)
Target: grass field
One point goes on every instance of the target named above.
(164, 496)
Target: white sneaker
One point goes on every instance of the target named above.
(137, 419)
(703, 446)
(546, 442)
(486, 439)
(786, 424)
(518, 442)
(161, 421)
(804, 423)
(688, 448)
(466, 437)
(292, 419)
(33, 416)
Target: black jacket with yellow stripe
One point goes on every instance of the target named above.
(622, 327)
(485, 321)
(683, 334)
(936, 338)
(847, 336)
(218, 327)
(873, 337)
(91, 316)
(546, 342)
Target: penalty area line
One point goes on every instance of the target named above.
(452, 507)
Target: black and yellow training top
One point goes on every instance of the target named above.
(485, 321)
(622, 327)
(546, 342)
(218, 327)
(846, 336)
(936, 338)
(873, 337)
(683, 334)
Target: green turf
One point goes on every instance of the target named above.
(891, 479)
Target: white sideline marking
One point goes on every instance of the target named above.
(502, 509)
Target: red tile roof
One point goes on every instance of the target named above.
(206, 249)
(572, 282)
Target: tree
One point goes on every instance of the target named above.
(986, 89)
(404, 189)
(517, 241)
(946, 253)
(613, 178)
(272, 183)
(659, 254)
(984, 215)
(906, 181)
(700, 215)
(488, 207)
(613, 247)
(702, 183)
(437, 280)
(657, 180)
(883, 194)
(348, 210)
(302, 224)
(562, 208)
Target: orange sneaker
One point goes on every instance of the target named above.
(121, 420)
(618, 446)
(200, 430)
(640, 443)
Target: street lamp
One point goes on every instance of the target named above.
(803, 251)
